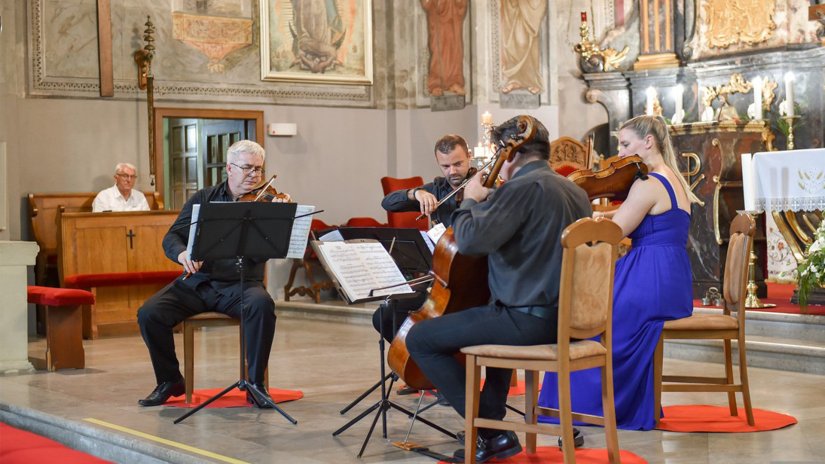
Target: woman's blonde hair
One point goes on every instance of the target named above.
(655, 126)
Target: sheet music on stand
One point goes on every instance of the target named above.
(357, 267)
(297, 241)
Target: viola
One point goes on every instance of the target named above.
(613, 180)
(458, 192)
(264, 193)
(460, 281)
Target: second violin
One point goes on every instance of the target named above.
(265, 193)
(613, 180)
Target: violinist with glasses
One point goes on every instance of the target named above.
(211, 285)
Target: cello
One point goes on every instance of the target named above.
(460, 281)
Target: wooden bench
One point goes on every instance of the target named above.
(92, 282)
(43, 211)
(63, 320)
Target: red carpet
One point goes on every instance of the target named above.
(780, 295)
(234, 399)
(704, 418)
(546, 454)
(22, 447)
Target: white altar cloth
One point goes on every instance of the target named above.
(791, 180)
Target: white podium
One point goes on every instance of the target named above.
(14, 259)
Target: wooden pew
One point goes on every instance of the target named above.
(43, 209)
(118, 256)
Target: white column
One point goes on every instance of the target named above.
(14, 259)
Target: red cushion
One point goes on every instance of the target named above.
(20, 446)
(111, 279)
(49, 296)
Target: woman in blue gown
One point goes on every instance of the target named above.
(652, 282)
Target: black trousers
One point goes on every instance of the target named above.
(179, 300)
(389, 317)
(433, 342)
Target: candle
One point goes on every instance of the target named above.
(487, 118)
(757, 97)
(748, 190)
(677, 97)
(789, 78)
(584, 16)
(651, 94)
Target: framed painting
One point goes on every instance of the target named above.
(316, 41)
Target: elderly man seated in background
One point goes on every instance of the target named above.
(119, 197)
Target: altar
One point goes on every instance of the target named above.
(789, 186)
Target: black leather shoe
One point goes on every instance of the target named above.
(163, 392)
(578, 438)
(501, 446)
(258, 395)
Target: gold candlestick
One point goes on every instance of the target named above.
(790, 121)
(752, 301)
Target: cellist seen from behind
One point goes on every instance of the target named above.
(518, 226)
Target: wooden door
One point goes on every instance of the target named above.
(216, 135)
(183, 160)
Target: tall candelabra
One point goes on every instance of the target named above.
(751, 300)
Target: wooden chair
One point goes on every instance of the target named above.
(568, 155)
(403, 220)
(308, 263)
(715, 326)
(585, 311)
(208, 319)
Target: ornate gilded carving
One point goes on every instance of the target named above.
(733, 21)
(692, 171)
(594, 59)
(737, 84)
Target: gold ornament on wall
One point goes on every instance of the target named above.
(591, 57)
(730, 22)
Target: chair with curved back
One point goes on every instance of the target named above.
(568, 155)
(585, 311)
(403, 220)
(725, 327)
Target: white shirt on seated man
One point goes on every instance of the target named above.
(121, 196)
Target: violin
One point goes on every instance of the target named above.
(458, 192)
(460, 281)
(613, 180)
(264, 193)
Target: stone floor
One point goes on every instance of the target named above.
(332, 362)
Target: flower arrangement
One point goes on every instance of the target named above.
(811, 271)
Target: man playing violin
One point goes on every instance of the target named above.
(211, 286)
(453, 157)
(518, 226)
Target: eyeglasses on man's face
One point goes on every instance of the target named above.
(127, 176)
(249, 169)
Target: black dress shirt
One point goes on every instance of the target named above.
(519, 227)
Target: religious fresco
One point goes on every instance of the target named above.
(216, 28)
(445, 41)
(521, 25)
(204, 50)
(316, 40)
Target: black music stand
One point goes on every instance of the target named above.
(412, 256)
(243, 230)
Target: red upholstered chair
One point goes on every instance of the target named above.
(568, 155)
(64, 320)
(398, 220)
(363, 222)
(313, 287)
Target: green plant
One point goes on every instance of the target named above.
(811, 271)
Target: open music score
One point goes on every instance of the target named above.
(358, 267)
